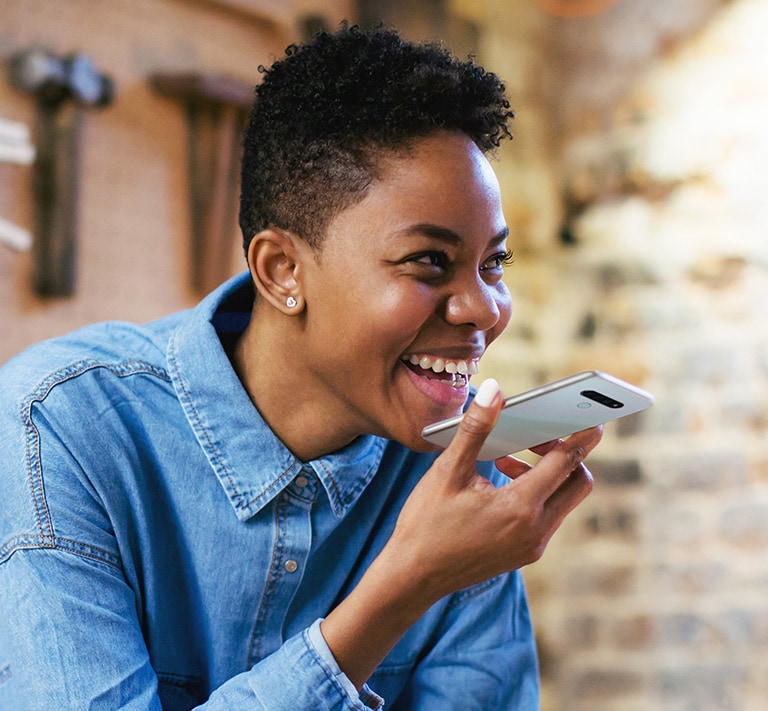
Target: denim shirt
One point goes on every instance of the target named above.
(161, 548)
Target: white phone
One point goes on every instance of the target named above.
(551, 411)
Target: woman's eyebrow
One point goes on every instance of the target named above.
(443, 234)
(500, 236)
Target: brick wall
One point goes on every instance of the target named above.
(652, 264)
(134, 208)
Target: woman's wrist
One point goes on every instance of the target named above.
(365, 626)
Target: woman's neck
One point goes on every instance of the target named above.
(267, 359)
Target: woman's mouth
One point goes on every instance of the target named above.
(454, 372)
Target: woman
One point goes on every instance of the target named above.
(246, 515)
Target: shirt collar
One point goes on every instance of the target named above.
(251, 463)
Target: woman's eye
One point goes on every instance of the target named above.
(498, 261)
(438, 260)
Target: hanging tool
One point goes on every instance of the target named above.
(217, 109)
(62, 87)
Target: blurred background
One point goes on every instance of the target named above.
(635, 191)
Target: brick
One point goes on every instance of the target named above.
(613, 521)
(697, 470)
(602, 580)
(682, 629)
(754, 623)
(712, 363)
(635, 632)
(747, 412)
(678, 523)
(616, 472)
(760, 470)
(698, 578)
(581, 631)
(746, 525)
(740, 629)
(616, 274)
(718, 272)
(704, 688)
(604, 683)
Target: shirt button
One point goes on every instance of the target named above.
(301, 481)
(291, 566)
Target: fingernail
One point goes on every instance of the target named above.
(487, 392)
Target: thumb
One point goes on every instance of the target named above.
(477, 422)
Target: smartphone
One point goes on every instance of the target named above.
(551, 411)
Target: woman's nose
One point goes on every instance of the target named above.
(479, 305)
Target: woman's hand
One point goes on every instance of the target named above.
(456, 529)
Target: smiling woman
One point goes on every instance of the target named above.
(252, 520)
(413, 267)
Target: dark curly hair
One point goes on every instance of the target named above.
(327, 112)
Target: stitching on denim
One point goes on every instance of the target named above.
(364, 480)
(81, 550)
(186, 399)
(269, 492)
(20, 543)
(273, 574)
(336, 492)
(34, 466)
(361, 483)
(210, 448)
(85, 550)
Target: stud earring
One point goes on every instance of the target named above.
(291, 302)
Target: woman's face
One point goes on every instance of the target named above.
(405, 291)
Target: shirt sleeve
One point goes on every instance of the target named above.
(70, 639)
(302, 674)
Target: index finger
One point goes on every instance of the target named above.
(478, 421)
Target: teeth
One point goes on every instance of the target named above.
(458, 381)
(455, 368)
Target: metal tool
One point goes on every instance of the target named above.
(62, 87)
(217, 110)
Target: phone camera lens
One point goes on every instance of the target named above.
(602, 399)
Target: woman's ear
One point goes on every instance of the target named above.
(274, 259)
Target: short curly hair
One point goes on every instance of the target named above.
(326, 113)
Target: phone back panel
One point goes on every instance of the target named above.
(551, 411)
